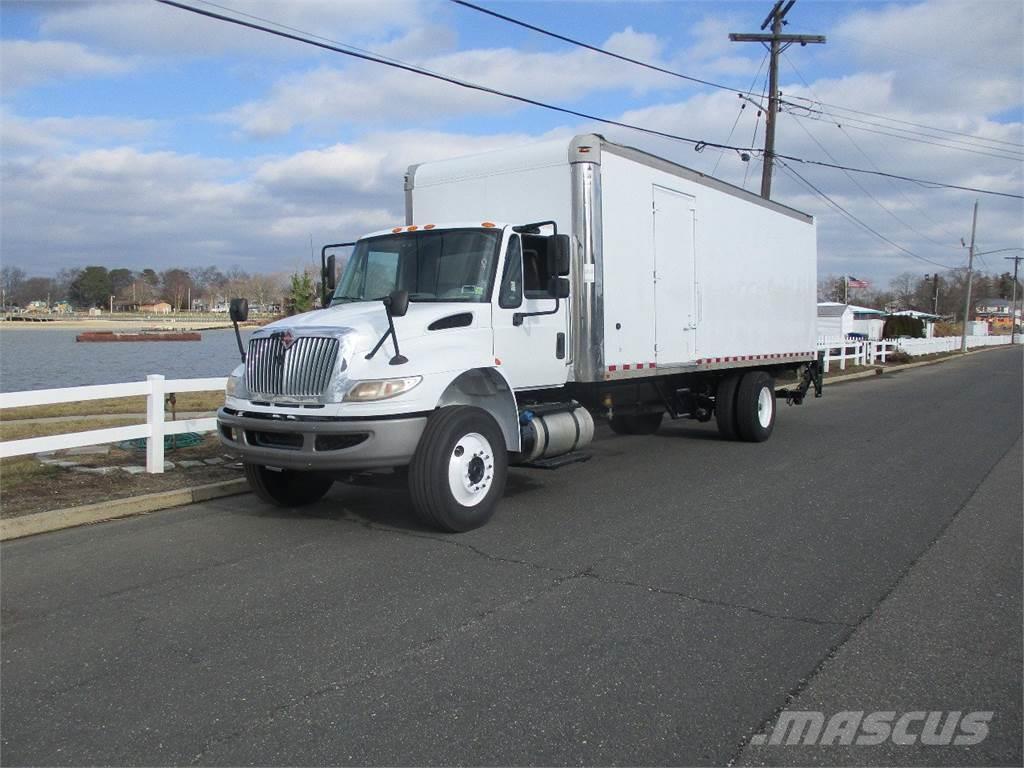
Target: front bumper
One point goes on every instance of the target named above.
(316, 443)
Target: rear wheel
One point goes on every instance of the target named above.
(637, 423)
(725, 406)
(755, 406)
(457, 474)
(286, 487)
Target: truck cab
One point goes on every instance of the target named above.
(462, 317)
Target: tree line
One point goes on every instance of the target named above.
(942, 294)
(98, 286)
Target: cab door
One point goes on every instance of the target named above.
(530, 334)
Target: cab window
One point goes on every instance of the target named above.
(511, 293)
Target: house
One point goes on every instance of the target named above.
(835, 320)
(997, 313)
(838, 320)
(987, 308)
(159, 308)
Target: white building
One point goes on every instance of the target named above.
(838, 320)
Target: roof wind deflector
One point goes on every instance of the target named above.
(534, 229)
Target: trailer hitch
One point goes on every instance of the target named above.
(811, 375)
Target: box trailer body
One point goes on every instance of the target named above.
(529, 291)
(675, 270)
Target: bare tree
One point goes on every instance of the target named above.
(176, 285)
(904, 287)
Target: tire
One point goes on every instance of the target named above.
(287, 488)
(637, 423)
(725, 406)
(457, 474)
(755, 407)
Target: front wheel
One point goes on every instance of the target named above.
(457, 474)
(755, 406)
(286, 487)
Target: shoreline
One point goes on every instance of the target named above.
(126, 325)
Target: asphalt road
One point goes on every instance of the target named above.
(657, 605)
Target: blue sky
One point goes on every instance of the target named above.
(136, 135)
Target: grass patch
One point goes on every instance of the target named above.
(15, 430)
(186, 401)
(27, 485)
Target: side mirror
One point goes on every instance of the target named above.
(558, 287)
(398, 303)
(239, 310)
(330, 278)
(559, 255)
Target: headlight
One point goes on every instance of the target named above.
(381, 389)
(235, 386)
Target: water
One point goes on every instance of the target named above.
(49, 358)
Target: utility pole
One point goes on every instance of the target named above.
(935, 292)
(1013, 302)
(776, 44)
(970, 278)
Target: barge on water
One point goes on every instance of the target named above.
(139, 336)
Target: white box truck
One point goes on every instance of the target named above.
(529, 291)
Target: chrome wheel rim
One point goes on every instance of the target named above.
(471, 469)
(765, 406)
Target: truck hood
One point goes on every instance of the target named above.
(369, 320)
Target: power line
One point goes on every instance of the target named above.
(739, 114)
(691, 78)
(699, 144)
(875, 166)
(921, 138)
(860, 186)
(858, 221)
(595, 48)
(904, 122)
(396, 64)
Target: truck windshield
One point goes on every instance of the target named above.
(443, 265)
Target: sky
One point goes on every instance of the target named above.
(139, 135)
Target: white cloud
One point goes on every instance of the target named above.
(374, 94)
(143, 25)
(130, 207)
(961, 56)
(20, 135)
(25, 63)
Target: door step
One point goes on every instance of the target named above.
(557, 462)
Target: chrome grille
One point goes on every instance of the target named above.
(302, 370)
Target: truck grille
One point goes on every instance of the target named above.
(302, 370)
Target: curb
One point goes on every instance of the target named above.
(72, 517)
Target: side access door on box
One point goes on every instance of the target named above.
(676, 308)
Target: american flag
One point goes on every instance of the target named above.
(853, 282)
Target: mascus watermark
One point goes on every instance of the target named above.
(936, 728)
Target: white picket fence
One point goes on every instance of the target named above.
(155, 388)
(868, 352)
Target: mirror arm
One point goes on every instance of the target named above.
(238, 338)
(399, 358)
